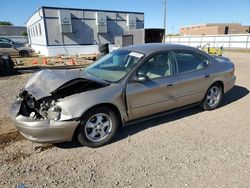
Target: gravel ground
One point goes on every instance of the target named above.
(190, 148)
(9, 88)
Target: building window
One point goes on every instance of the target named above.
(32, 32)
(39, 29)
(29, 32)
(36, 30)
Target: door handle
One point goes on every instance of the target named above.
(170, 85)
(207, 76)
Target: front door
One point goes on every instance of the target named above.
(155, 94)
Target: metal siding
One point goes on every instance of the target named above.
(89, 14)
(111, 16)
(33, 22)
(53, 32)
(111, 31)
(77, 14)
(138, 36)
(88, 32)
(84, 27)
(120, 28)
(121, 16)
(50, 12)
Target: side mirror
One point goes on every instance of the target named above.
(141, 78)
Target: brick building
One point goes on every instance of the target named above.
(215, 29)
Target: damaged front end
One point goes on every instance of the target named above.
(41, 109)
(36, 112)
(46, 107)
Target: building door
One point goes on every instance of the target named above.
(127, 40)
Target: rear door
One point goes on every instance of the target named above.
(156, 94)
(193, 76)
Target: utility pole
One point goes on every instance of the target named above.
(165, 19)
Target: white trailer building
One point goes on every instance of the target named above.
(55, 31)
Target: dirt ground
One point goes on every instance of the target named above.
(191, 148)
(81, 60)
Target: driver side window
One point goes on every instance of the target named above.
(157, 67)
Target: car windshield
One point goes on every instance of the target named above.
(115, 65)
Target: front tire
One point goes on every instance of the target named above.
(213, 97)
(98, 127)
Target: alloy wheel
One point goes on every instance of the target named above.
(98, 127)
(213, 96)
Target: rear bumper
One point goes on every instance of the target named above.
(229, 84)
(42, 131)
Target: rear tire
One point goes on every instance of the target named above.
(213, 97)
(24, 54)
(98, 127)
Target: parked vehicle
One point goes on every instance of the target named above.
(127, 84)
(6, 65)
(13, 50)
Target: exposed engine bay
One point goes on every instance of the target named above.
(46, 108)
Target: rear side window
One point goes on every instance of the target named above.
(190, 61)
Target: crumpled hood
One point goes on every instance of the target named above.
(44, 82)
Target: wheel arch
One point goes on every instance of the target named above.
(218, 82)
(108, 105)
(111, 106)
(215, 82)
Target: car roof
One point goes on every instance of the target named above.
(4, 38)
(150, 48)
(5, 43)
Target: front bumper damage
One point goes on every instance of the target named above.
(42, 131)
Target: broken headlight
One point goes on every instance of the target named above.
(54, 112)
